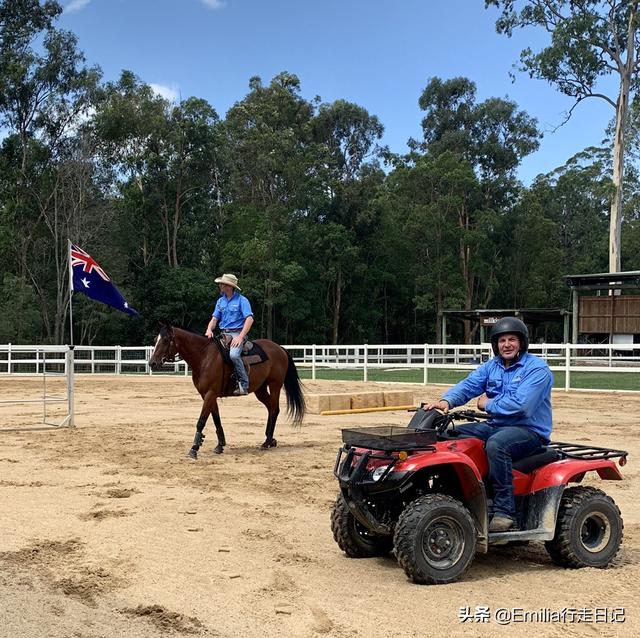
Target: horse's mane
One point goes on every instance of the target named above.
(191, 332)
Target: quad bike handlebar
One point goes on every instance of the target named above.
(441, 421)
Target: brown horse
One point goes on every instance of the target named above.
(210, 375)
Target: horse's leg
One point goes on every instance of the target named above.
(271, 399)
(274, 411)
(209, 403)
(198, 439)
(215, 414)
(265, 398)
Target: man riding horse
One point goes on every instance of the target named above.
(234, 316)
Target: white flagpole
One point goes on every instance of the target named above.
(70, 292)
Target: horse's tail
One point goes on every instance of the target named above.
(296, 406)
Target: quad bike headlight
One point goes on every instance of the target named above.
(378, 472)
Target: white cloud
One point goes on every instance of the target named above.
(76, 5)
(212, 4)
(171, 93)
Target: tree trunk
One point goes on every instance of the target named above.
(336, 308)
(622, 110)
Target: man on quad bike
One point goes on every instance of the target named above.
(514, 388)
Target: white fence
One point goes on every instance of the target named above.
(575, 366)
(45, 363)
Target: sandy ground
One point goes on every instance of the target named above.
(108, 530)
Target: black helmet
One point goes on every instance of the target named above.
(509, 325)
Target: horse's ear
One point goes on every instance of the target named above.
(166, 325)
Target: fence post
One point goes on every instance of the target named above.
(9, 359)
(366, 354)
(146, 362)
(313, 361)
(118, 359)
(425, 371)
(70, 385)
(567, 367)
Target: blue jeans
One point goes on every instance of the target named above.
(234, 353)
(503, 445)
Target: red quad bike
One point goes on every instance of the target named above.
(421, 492)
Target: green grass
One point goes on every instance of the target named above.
(579, 380)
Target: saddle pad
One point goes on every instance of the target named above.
(252, 356)
(255, 355)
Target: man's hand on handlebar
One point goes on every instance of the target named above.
(441, 405)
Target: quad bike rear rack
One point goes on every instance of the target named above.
(587, 452)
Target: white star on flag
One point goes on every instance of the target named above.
(85, 282)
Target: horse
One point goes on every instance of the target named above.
(210, 376)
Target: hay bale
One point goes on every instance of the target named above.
(367, 400)
(398, 397)
(339, 402)
(317, 403)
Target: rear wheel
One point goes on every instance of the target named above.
(435, 539)
(589, 529)
(352, 537)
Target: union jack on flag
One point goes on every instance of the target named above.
(80, 258)
(88, 278)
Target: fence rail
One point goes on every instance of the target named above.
(420, 363)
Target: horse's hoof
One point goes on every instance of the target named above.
(218, 449)
(193, 454)
(267, 444)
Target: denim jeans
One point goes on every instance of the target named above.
(503, 445)
(234, 353)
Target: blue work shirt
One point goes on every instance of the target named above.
(518, 395)
(231, 313)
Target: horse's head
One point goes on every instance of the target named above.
(165, 348)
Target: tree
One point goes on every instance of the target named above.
(489, 139)
(45, 90)
(272, 181)
(590, 39)
(346, 134)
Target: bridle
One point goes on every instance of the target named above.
(170, 357)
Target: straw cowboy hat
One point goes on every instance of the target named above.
(229, 279)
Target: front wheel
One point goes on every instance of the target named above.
(352, 537)
(435, 539)
(589, 529)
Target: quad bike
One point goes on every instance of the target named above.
(421, 491)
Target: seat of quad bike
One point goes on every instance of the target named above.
(543, 456)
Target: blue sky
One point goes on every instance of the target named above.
(377, 53)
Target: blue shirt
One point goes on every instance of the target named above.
(231, 313)
(518, 395)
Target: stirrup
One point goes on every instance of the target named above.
(240, 391)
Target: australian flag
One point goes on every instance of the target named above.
(94, 282)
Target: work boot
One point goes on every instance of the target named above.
(500, 523)
(240, 391)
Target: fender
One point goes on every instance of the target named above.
(563, 472)
(470, 482)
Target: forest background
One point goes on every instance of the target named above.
(335, 237)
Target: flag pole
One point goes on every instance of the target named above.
(70, 293)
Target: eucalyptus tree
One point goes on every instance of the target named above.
(491, 138)
(589, 40)
(45, 91)
(272, 185)
(346, 135)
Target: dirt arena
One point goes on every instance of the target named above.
(109, 530)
